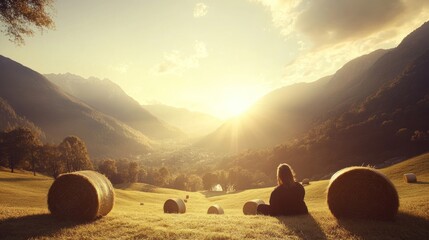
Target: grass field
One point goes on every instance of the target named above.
(24, 214)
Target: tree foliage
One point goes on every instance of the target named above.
(21, 17)
(19, 145)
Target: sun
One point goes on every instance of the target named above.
(237, 106)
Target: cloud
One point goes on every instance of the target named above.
(175, 62)
(200, 10)
(330, 33)
(326, 22)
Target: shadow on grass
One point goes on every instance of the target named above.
(33, 226)
(21, 179)
(420, 182)
(303, 226)
(405, 226)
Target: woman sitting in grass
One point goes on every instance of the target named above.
(288, 197)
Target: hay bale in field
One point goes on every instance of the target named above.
(187, 196)
(362, 192)
(174, 205)
(82, 196)
(305, 181)
(186, 200)
(410, 178)
(215, 209)
(251, 206)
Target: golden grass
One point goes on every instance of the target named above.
(24, 214)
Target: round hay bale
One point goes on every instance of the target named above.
(82, 196)
(215, 209)
(305, 181)
(187, 196)
(362, 192)
(174, 205)
(410, 178)
(250, 207)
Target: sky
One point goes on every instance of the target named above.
(213, 56)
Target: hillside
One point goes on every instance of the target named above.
(109, 98)
(289, 112)
(24, 213)
(9, 119)
(59, 114)
(372, 111)
(195, 124)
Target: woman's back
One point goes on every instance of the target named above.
(288, 200)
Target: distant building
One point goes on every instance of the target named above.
(217, 188)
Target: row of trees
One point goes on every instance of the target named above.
(22, 148)
(125, 171)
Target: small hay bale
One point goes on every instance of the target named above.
(81, 196)
(174, 205)
(362, 192)
(250, 207)
(305, 181)
(186, 200)
(141, 204)
(410, 178)
(187, 196)
(215, 209)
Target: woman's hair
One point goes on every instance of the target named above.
(285, 174)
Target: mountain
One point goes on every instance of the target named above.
(59, 114)
(289, 112)
(109, 98)
(376, 115)
(195, 124)
(9, 119)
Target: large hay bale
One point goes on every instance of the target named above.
(174, 205)
(305, 181)
(362, 192)
(215, 209)
(410, 178)
(82, 196)
(250, 207)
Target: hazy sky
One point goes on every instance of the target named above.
(214, 56)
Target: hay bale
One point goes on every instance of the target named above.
(410, 178)
(186, 200)
(174, 205)
(250, 207)
(305, 181)
(82, 196)
(362, 192)
(215, 209)
(187, 196)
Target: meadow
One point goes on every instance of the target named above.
(138, 213)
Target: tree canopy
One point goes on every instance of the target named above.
(20, 18)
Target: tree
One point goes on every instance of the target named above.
(75, 154)
(19, 145)
(194, 183)
(20, 17)
(133, 171)
(181, 182)
(209, 179)
(50, 160)
(108, 168)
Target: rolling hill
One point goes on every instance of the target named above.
(58, 114)
(24, 213)
(108, 98)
